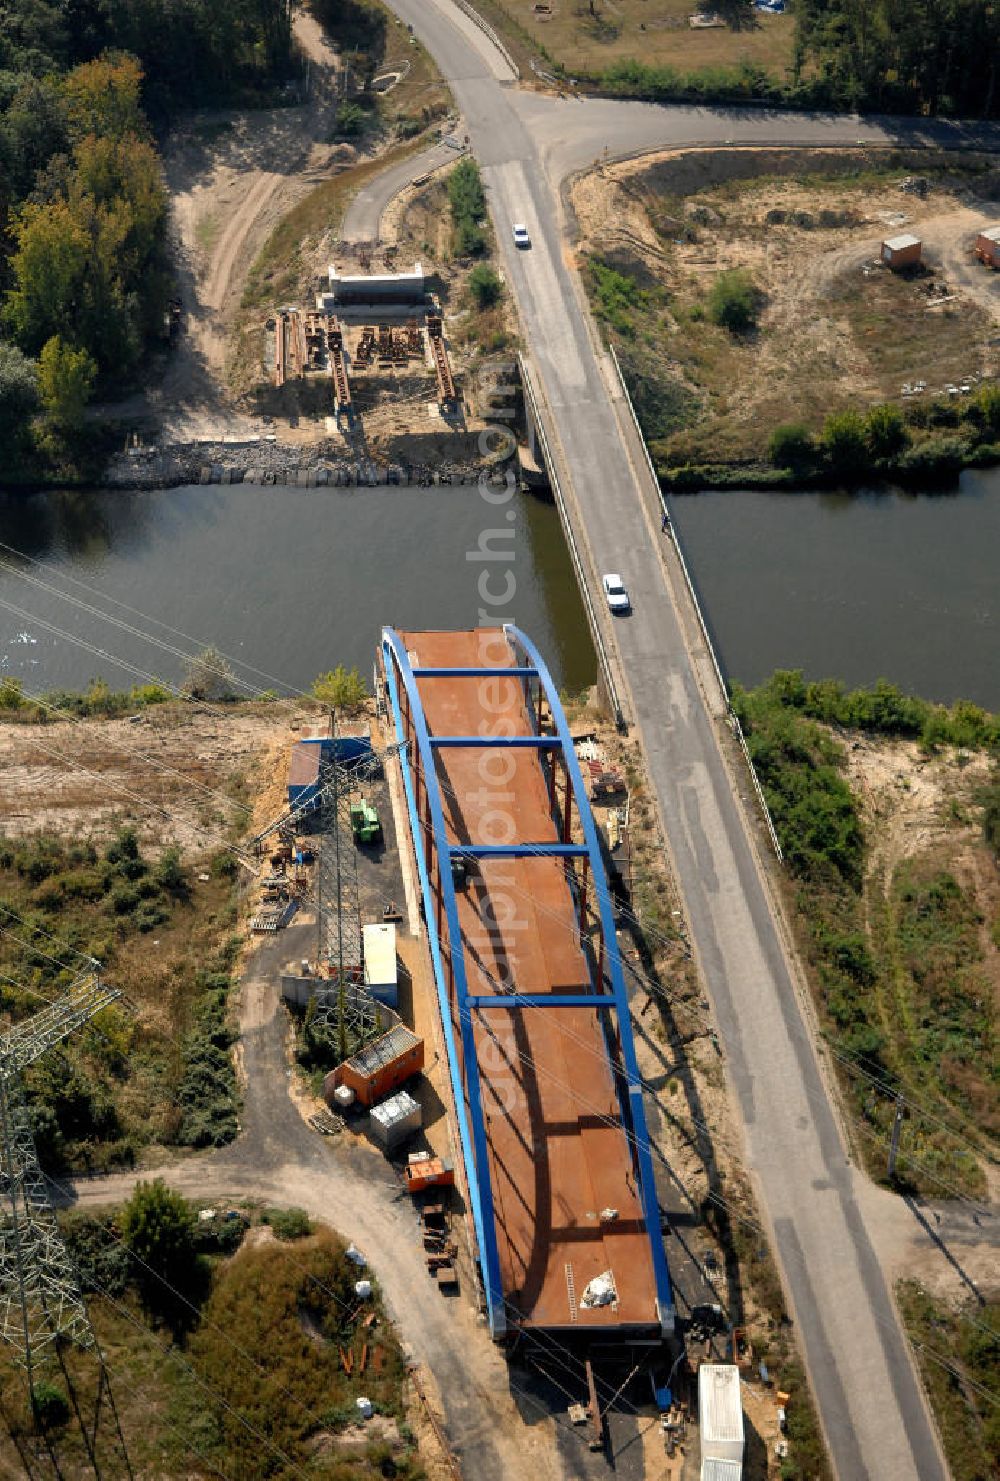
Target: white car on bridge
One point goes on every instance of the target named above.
(616, 593)
(521, 237)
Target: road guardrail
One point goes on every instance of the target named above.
(534, 411)
(732, 717)
(488, 30)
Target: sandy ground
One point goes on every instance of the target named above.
(231, 177)
(170, 774)
(678, 220)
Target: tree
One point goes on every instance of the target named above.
(791, 446)
(734, 301)
(209, 676)
(886, 432)
(158, 1230)
(32, 131)
(485, 286)
(986, 406)
(103, 97)
(65, 383)
(50, 262)
(844, 440)
(18, 403)
(342, 688)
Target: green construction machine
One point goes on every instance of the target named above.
(365, 823)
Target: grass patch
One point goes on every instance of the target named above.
(295, 1311)
(257, 1389)
(900, 336)
(958, 1352)
(121, 1082)
(580, 38)
(898, 976)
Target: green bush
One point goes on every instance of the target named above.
(485, 286)
(468, 208)
(288, 1223)
(886, 432)
(734, 301)
(101, 1260)
(170, 875)
(350, 121)
(207, 1093)
(470, 240)
(933, 457)
(617, 295)
(845, 441)
(50, 1405)
(791, 446)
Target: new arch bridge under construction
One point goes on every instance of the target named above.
(533, 1005)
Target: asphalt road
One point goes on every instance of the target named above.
(364, 214)
(869, 1396)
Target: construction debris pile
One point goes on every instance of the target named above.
(317, 342)
(388, 346)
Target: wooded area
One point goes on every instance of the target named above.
(84, 275)
(903, 56)
(893, 56)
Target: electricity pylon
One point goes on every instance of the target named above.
(41, 1305)
(344, 1012)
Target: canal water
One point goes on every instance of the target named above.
(856, 586)
(286, 582)
(290, 582)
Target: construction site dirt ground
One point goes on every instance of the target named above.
(232, 177)
(211, 769)
(806, 225)
(398, 415)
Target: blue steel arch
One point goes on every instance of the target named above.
(472, 1129)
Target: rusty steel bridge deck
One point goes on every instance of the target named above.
(533, 1008)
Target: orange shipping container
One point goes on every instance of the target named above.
(380, 1068)
(988, 246)
(901, 251)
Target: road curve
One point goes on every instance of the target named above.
(363, 216)
(869, 1397)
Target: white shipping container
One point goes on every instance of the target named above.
(394, 1120)
(381, 976)
(722, 1470)
(720, 1412)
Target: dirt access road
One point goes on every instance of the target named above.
(279, 1160)
(232, 176)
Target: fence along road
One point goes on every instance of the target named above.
(870, 1401)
